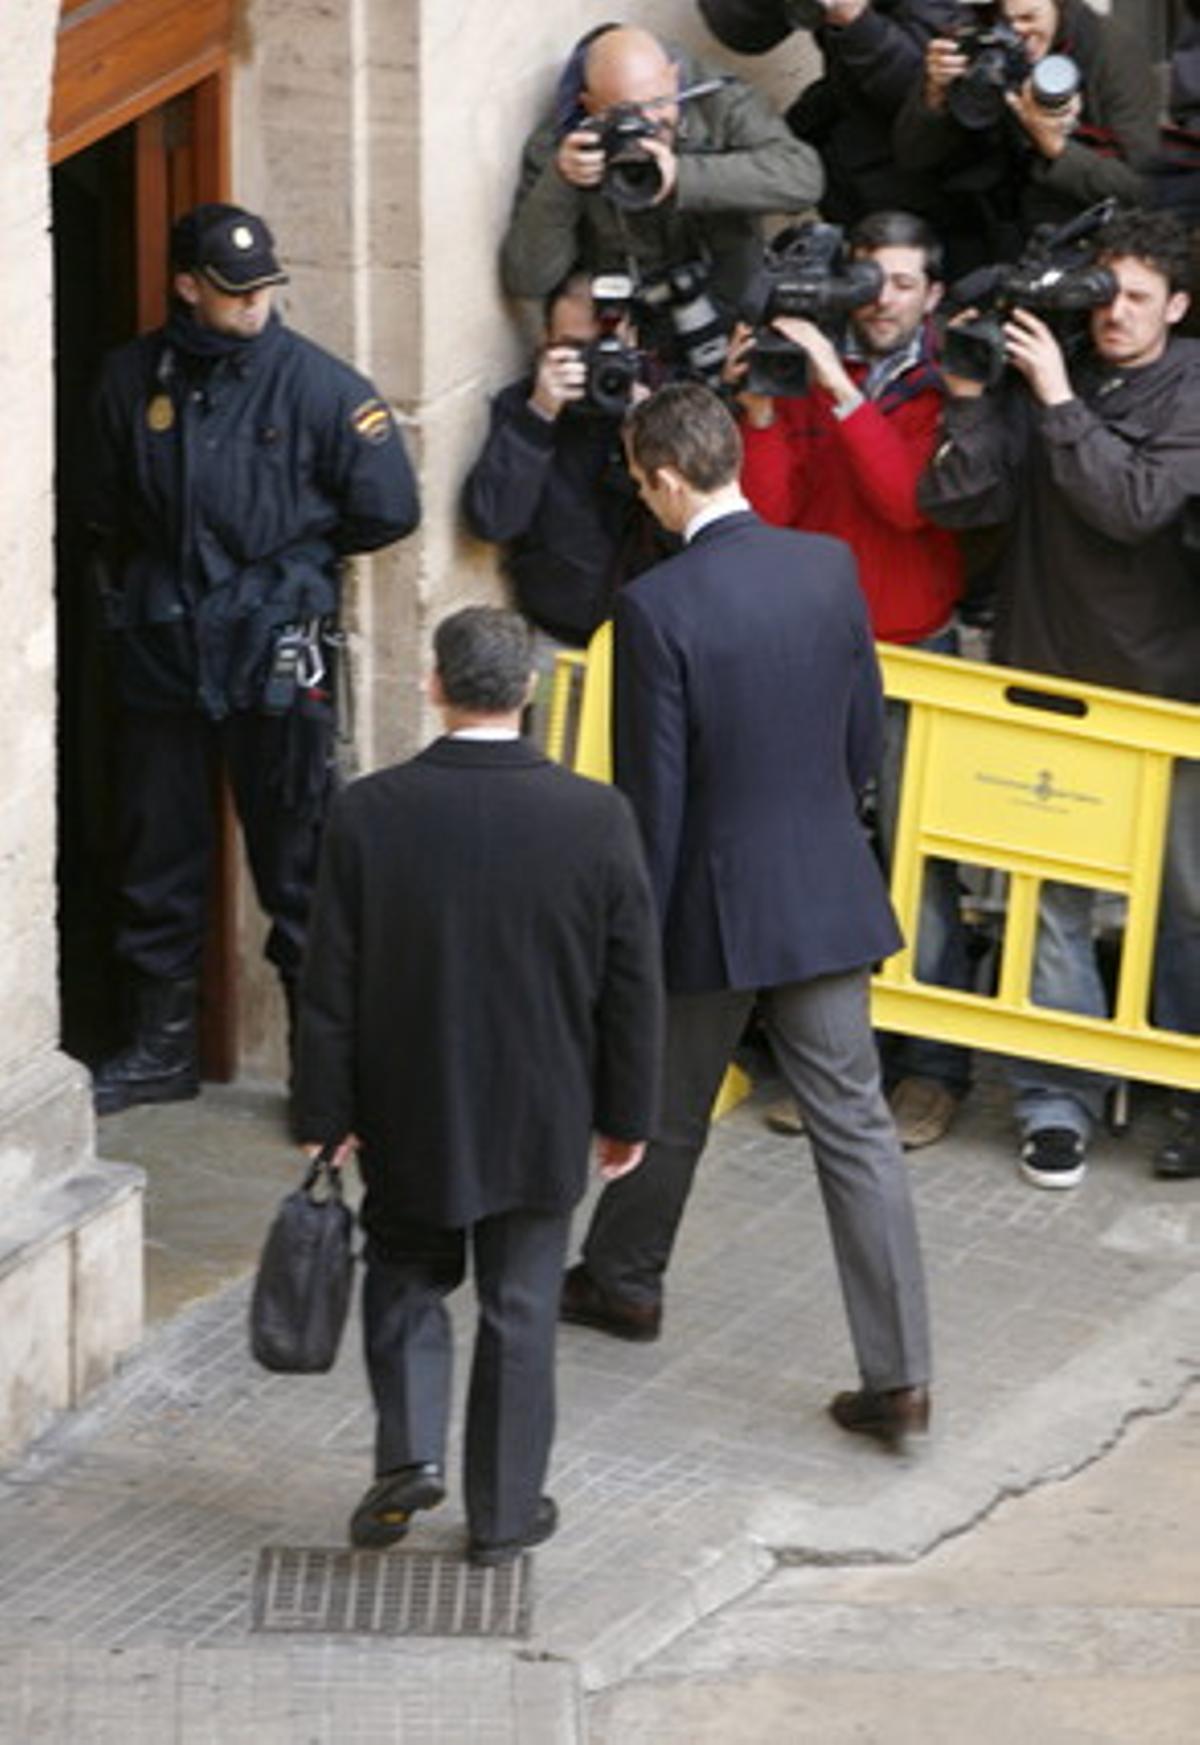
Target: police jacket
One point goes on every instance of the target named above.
(1099, 578)
(997, 186)
(558, 496)
(870, 66)
(736, 160)
(225, 488)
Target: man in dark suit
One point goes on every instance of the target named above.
(747, 718)
(481, 992)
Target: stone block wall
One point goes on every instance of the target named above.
(70, 1228)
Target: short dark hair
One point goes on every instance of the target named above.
(898, 230)
(484, 656)
(690, 428)
(1157, 238)
(577, 284)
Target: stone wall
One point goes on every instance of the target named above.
(70, 1229)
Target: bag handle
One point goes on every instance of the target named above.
(322, 1167)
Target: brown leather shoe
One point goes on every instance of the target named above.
(585, 1305)
(923, 1110)
(784, 1117)
(890, 1417)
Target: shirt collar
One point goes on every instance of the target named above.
(881, 372)
(485, 733)
(714, 512)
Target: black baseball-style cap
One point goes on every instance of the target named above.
(233, 248)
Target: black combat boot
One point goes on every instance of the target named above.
(160, 1064)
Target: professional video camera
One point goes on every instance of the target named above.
(611, 366)
(999, 64)
(633, 177)
(1057, 277)
(805, 271)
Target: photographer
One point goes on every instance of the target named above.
(692, 172)
(873, 52)
(551, 485)
(843, 458)
(1092, 464)
(1013, 147)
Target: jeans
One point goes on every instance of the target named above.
(1066, 975)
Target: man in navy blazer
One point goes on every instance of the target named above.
(748, 717)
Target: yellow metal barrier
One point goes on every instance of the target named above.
(1032, 777)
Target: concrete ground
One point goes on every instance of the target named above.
(731, 1567)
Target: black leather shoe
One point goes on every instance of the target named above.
(584, 1304)
(490, 1553)
(383, 1516)
(160, 1064)
(1179, 1159)
(890, 1417)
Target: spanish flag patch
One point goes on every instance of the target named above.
(371, 421)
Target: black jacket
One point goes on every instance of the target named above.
(481, 989)
(558, 496)
(226, 493)
(747, 717)
(870, 66)
(1099, 579)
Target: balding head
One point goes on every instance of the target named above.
(629, 65)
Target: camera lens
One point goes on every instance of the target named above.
(1054, 81)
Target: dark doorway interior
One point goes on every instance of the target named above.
(94, 207)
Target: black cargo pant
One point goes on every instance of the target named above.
(279, 769)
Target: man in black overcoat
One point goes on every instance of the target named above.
(480, 995)
(748, 716)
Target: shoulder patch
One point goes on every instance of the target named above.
(371, 422)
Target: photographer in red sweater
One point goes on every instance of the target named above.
(843, 458)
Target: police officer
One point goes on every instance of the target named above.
(233, 465)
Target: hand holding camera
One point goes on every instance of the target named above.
(1032, 349)
(945, 64)
(581, 159)
(561, 379)
(1048, 127)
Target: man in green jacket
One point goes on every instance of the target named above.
(715, 162)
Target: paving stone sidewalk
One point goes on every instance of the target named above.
(685, 1470)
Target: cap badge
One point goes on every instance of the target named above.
(241, 236)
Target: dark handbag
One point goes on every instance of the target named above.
(302, 1291)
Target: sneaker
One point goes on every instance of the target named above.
(1052, 1157)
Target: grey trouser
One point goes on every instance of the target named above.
(820, 1032)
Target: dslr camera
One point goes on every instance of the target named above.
(632, 175)
(1057, 278)
(611, 367)
(805, 271)
(999, 64)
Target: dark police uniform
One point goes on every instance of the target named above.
(229, 477)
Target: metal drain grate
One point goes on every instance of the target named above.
(372, 1593)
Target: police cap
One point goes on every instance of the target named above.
(232, 248)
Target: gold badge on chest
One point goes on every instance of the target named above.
(160, 413)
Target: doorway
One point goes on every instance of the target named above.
(113, 203)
